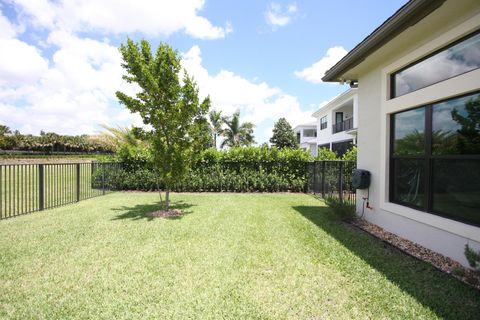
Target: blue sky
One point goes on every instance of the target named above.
(60, 67)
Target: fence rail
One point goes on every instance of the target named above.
(332, 179)
(26, 188)
(342, 126)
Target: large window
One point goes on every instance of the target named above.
(435, 158)
(323, 122)
(460, 57)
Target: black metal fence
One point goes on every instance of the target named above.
(332, 179)
(26, 188)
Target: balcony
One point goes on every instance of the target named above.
(343, 126)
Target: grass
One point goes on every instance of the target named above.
(231, 256)
(19, 187)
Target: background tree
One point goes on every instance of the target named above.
(283, 135)
(5, 132)
(119, 135)
(216, 122)
(469, 133)
(237, 134)
(169, 106)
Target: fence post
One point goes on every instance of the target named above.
(340, 181)
(1, 193)
(314, 180)
(323, 179)
(41, 190)
(78, 182)
(103, 176)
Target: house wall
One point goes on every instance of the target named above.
(439, 28)
(326, 136)
(304, 139)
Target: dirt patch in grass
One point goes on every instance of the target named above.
(170, 213)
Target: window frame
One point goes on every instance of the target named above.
(323, 124)
(428, 158)
(393, 95)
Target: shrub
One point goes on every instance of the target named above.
(244, 169)
(345, 211)
(325, 154)
(351, 154)
(473, 258)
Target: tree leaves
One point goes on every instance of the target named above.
(170, 107)
(283, 135)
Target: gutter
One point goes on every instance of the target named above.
(407, 16)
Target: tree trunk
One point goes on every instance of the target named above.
(159, 191)
(167, 199)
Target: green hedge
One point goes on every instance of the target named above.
(246, 169)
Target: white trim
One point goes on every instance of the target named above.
(338, 100)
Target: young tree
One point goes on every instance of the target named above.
(237, 134)
(283, 135)
(216, 122)
(169, 106)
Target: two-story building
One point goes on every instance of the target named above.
(337, 122)
(335, 125)
(307, 137)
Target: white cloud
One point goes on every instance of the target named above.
(278, 15)
(258, 103)
(20, 63)
(7, 30)
(151, 17)
(316, 71)
(72, 95)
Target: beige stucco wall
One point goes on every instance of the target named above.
(440, 234)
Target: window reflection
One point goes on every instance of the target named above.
(409, 135)
(457, 193)
(409, 182)
(451, 62)
(456, 126)
(443, 179)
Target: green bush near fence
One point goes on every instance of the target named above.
(344, 210)
(234, 170)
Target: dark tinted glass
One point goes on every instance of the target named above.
(450, 62)
(456, 126)
(409, 181)
(409, 134)
(323, 122)
(456, 189)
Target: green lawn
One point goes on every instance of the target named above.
(233, 256)
(19, 187)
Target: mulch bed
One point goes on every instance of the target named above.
(415, 250)
(170, 213)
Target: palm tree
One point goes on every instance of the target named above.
(237, 134)
(216, 122)
(120, 136)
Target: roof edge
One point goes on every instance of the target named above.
(408, 15)
(344, 95)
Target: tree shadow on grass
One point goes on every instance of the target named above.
(441, 293)
(141, 211)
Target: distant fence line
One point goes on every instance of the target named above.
(26, 188)
(332, 179)
(52, 153)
